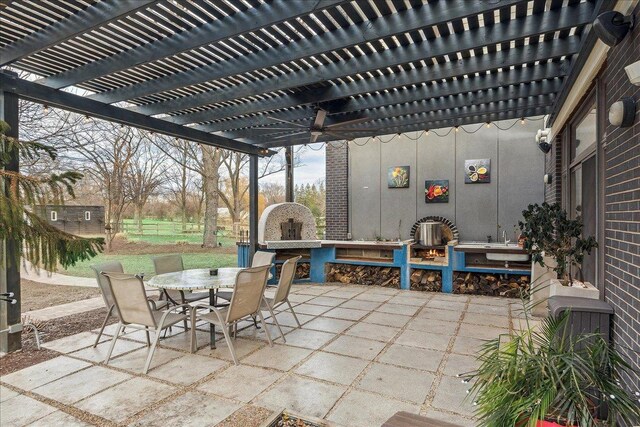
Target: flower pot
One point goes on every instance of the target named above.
(548, 424)
(585, 290)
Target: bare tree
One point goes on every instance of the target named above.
(273, 193)
(211, 182)
(144, 177)
(106, 152)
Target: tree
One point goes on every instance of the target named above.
(144, 177)
(41, 244)
(211, 182)
(273, 193)
(107, 152)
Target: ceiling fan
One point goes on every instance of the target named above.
(318, 128)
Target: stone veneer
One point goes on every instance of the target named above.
(274, 215)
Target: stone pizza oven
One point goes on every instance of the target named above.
(287, 222)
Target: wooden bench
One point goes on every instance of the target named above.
(406, 419)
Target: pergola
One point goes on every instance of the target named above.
(235, 73)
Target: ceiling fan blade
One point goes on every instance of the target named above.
(340, 124)
(289, 134)
(319, 120)
(313, 138)
(270, 129)
(287, 122)
(352, 130)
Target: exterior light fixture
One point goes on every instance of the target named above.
(548, 178)
(611, 27)
(623, 112)
(633, 72)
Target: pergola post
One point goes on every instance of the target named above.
(10, 314)
(289, 194)
(253, 206)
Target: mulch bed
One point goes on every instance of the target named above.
(35, 296)
(50, 331)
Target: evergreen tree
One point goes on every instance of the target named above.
(41, 243)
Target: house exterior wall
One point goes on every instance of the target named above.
(71, 218)
(517, 168)
(621, 147)
(337, 197)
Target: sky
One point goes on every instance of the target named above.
(310, 169)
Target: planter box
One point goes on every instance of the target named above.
(540, 279)
(298, 420)
(588, 291)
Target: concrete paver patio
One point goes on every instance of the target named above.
(361, 355)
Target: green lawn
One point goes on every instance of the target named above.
(158, 232)
(143, 263)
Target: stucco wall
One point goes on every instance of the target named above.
(517, 168)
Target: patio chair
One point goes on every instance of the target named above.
(170, 264)
(103, 284)
(287, 274)
(248, 296)
(260, 258)
(131, 302)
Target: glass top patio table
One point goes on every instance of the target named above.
(195, 279)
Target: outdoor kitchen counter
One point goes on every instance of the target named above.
(364, 244)
(483, 248)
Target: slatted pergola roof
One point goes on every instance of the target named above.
(228, 72)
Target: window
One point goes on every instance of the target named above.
(54, 216)
(585, 135)
(87, 215)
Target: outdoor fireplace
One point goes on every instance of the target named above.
(287, 225)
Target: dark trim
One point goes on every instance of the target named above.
(263, 15)
(95, 16)
(253, 205)
(588, 42)
(79, 104)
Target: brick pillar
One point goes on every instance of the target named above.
(337, 186)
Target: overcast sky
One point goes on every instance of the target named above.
(311, 167)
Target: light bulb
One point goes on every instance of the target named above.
(45, 109)
(522, 121)
(488, 124)
(456, 128)
(426, 132)
(87, 118)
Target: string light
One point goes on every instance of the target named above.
(87, 118)
(522, 121)
(488, 124)
(426, 132)
(45, 109)
(456, 128)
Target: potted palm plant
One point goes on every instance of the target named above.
(549, 232)
(541, 378)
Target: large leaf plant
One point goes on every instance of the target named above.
(549, 231)
(543, 374)
(39, 242)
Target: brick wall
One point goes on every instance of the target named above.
(337, 185)
(553, 166)
(622, 205)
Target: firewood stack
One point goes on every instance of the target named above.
(490, 284)
(363, 275)
(303, 270)
(426, 280)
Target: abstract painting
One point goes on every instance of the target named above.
(477, 171)
(398, 177)
(436, 191)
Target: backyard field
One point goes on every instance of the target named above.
(135, 251)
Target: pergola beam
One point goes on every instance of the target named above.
(443, 121)
(431, 91)
(67, 101)
(96, 15)
(253, 19)
(538, 90)
(446, 45)
(341, 38)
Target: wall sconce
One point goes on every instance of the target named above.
(633, 72)
(623, 112)
(612, 26)
(548, 178)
